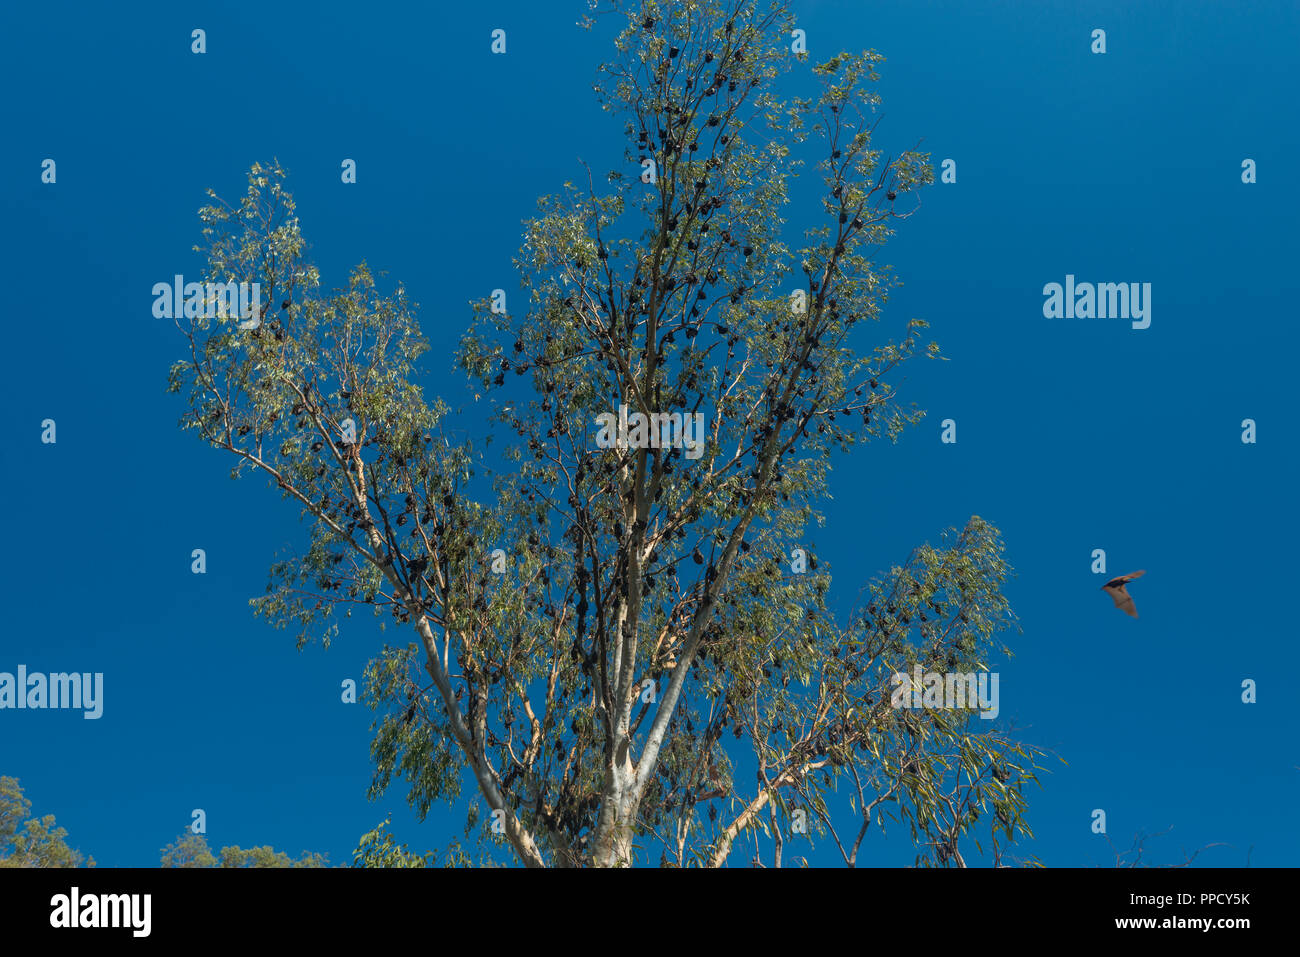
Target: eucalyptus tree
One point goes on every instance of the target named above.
(27, 841)
(627, 644)
(191, 850)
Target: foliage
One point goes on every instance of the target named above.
(646, 647)
(191, 850)
(378, 848)
(26, 841)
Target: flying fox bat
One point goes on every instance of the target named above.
(1115, 588)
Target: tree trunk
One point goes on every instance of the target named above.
(618, 809)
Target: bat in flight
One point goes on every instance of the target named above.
(1116, 590)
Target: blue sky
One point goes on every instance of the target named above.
(1072, 434)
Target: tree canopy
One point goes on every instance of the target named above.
(629, 647)
(191, 850)
(26, 841)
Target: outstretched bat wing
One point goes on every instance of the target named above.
(1120, 580)
(1123, 600)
